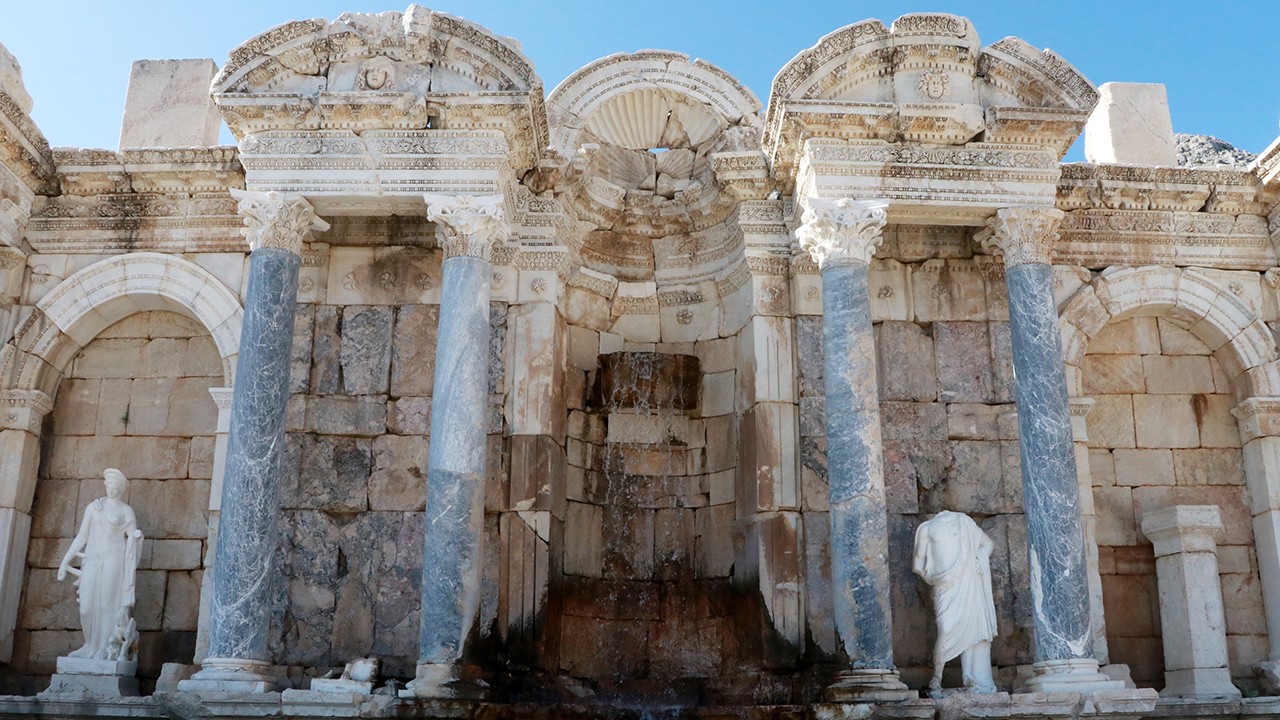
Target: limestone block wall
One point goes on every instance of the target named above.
(135, 398)
(950, 443)
(1161, 433)
(650, 532)
(354, 485)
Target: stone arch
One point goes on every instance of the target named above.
(1241, 343)
(89, 301)
(1188, 297)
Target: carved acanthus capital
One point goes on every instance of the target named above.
(469, 225)
(277, 220)
(1023, 235)
(842, 231)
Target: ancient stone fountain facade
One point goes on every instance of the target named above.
(628, 399)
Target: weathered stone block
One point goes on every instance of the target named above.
(1218, 426)
(1135, 336)
(1130, 125)
(364, 415)
(1133, 608)
(809, 357)
(398, 480)
(713, 549)
(168, 105)
(332, 473)
(366, 349)
(413, 358)
(1102, 467)
(1165, 421)
(905, 364)
(1143, 467)
(76, 409)
(1177, 340)
(166, 508)
(409, 416)
(1115, 520)
(160, 554)
(584, 540)
(1208, 467)
(326, 342)
(965, 371)
(1110, 423)
(1168, 375)
(182, 601)
(1113, 374)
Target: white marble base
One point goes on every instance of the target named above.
(86, 666)
(1200, 683)
(443, 681)
(869, 686)
(218, 675)
(341, 685)
(103, 678)
(1078, 676)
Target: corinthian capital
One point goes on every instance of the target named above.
(841, 231)
(468, 224)
(276, 220)
(1024, 235)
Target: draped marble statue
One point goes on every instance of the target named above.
(953, 555)
(108, 546)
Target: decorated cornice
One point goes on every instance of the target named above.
(843, 231)
(87, 172)
(277, 220)
(1023, 235)
(469, 225)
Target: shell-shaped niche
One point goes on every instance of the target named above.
(654, 117)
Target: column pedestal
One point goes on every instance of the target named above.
(1192, 618)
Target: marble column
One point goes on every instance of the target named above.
(468, 226)
(1192, 621)
(238, 659)
(842, 236)
(1063, 648)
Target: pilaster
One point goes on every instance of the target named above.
(21, 415)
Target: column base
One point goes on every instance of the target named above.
(1199, 683)
(444, 681)
(868, 685)
(1268, 673)
(1081, 675)
(231, 676)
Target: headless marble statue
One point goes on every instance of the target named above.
(108, 545)
(953, 555)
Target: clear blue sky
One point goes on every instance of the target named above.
(1219, 59)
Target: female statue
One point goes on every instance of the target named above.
(108, 545)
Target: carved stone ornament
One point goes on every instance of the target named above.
(842, 231)
(1023, 235)
(469, 225)
(276, 220)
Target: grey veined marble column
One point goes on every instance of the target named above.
(1064, 659)
(842, 236)
(452, 556)
(243, 572)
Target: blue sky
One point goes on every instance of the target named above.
(1218, 59)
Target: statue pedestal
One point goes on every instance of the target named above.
(341, 685)
(104, 678)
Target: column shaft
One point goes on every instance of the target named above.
(855, 470)
(1051, 498)
(238, 658)
(456, 463)
(247, 530)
